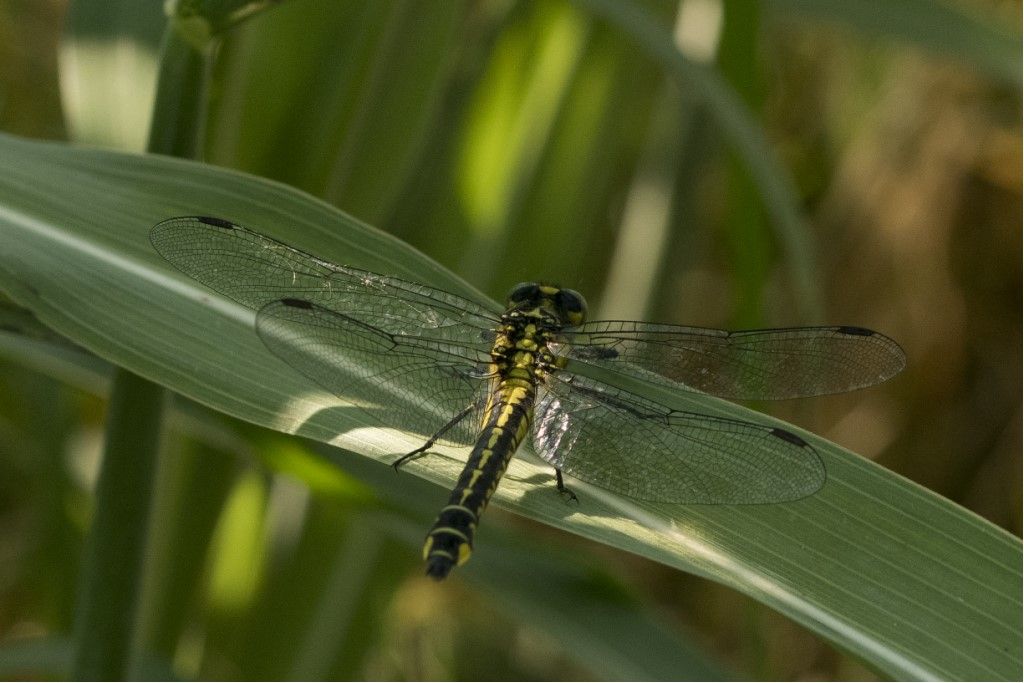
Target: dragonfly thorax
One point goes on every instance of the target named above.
(521, 350)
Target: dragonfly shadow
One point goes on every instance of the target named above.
(543, 496)
(368, 431)
(590, 499)
(365, 431)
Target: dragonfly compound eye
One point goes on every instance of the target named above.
(572, 306)
(522, 293)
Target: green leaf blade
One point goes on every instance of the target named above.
(904, 579)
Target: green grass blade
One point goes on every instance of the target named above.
(740, 129)
(748, 236)
(902, 578)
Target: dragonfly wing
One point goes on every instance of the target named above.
(750, 364)
(636, 447)
(413, 384)
(255, 270)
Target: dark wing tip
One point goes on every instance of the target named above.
(212, 221)
(814, 473)
(897, 356)
(166, 228)
(216, 222)
(789, 437)
(296, 303)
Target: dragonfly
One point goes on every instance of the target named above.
(430, 362)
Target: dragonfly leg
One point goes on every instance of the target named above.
(566, 492)
(412, 455)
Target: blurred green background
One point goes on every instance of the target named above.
(538, 140)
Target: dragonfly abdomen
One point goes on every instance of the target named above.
(506, 424)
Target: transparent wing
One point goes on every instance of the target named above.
(409, 353)
(752, 364)
(641, 449)
(255, 270)
(411, 383)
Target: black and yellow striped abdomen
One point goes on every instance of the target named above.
(506, 424)
(520, 360)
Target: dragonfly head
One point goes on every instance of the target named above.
(566, 305)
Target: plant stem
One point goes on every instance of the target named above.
(179, 112)
(112, 570)
(111, 584)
